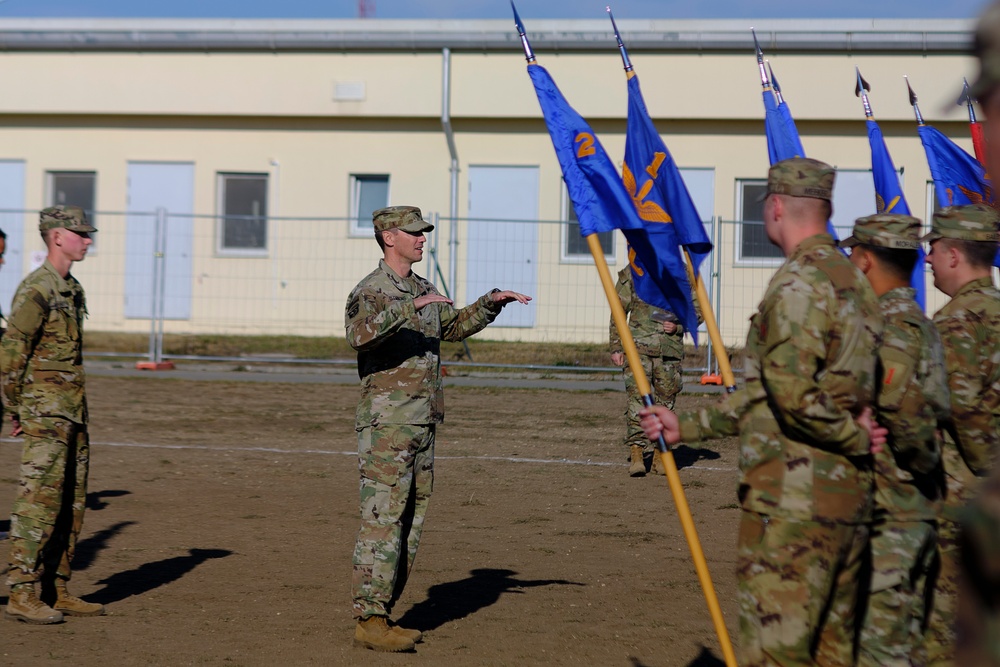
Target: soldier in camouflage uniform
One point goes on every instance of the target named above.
(806, 431)
(963, 245)
(978, 622)
(396, 321)
(41, 373)
(659, 339)
(912, 401)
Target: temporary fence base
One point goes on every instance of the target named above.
(711, 379)
(154, 365)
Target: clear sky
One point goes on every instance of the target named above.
(496, 9)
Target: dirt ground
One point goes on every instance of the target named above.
(223, 514)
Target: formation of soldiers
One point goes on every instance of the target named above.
(865, 428)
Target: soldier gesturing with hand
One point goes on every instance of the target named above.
(396, 320)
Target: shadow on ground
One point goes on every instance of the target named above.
(704, 659)
(95, 499)
(457, 599)
(150, 576)
(687, 456)
(87, 550)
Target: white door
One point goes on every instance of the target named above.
(503, 237)
(153, 185)
(13, 221)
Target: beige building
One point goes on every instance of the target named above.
(264, 145)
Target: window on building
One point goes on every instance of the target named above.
(853, 198)
(932, 201)
(754, 244)
(369, 193)
(243, 211)
(73, 188)
(574, 246)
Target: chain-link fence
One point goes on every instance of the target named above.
(160, 272)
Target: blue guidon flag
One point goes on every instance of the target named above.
(783, 140)
(661, 198)
(602, 203)
(959, 178)
(889, 199)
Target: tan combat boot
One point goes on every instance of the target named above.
(24, 605)
(55, 593)
(414, 636)
(637, 467)
(657, 467)
(374, 633)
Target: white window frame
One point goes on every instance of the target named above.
(564, 235)
(739, 259)
(50, 194)
(354, 229)
(929, 208)
(220, 249)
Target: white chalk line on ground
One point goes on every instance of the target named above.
(330, 452)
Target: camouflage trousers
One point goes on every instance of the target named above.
(397, 477)
(940, 638)
(665, 379)
(904, 560)
(50, 499)
(798, 590)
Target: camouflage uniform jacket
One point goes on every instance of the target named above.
(646, 323)
(399, 347)
(41, 355)
(912, 400)
(970, 331)
(810, 369)
(978, 626)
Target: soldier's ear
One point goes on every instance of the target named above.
(954, 255)
(865, 258)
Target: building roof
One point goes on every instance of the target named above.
(659, 35)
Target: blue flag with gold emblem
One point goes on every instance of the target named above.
(662, 199)
(959, 178)
(889, 198)
(602, 204)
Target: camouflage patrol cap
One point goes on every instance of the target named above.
(800, 177)
(885, 230)
(977, 222)
(65, 217)
(986, 47)
(406, 218)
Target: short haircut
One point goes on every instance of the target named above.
(3, 234)
(979, 254)
(380, 240)
(900, 262)
(809, 206)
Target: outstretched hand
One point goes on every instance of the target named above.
(506, 296)
(428, 299)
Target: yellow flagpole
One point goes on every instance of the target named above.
(708, 315)
(666, 457)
